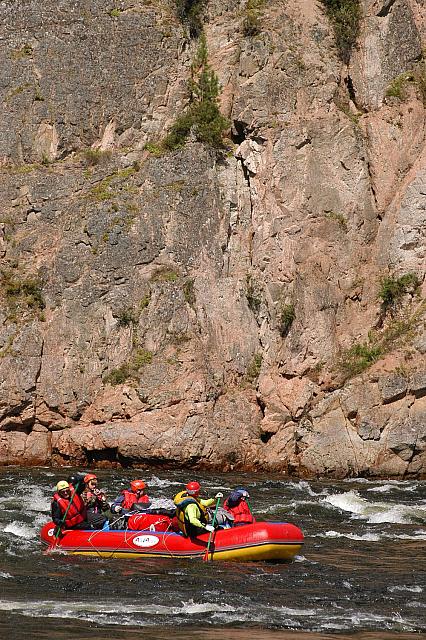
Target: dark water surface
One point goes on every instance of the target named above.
(361, 574)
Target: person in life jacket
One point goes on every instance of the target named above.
(191, 510)
(128, 497)
(95, 501)
(67, 509)
(236, 505)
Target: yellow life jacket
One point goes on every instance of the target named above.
(182, 500)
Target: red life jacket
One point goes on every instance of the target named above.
(149, 522)
(241, 512)
(130, 498)
(76, 512)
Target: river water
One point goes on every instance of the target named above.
(361, 573)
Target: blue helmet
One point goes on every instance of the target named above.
(236, 496)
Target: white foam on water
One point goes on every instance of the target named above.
(305, 487)
(33, 497)
(4, 575)
(37, 501)
(367, 537)
(349, 501)
(383, 489)
(403, 587)
(158, 482)
(397, 514)
(84, 609)
(295, 612)
(376, 512)
(333, 626)
(20, 530)
(357, 619)
(288, 506)
(194, 608)
(416, 535)
(394, 485)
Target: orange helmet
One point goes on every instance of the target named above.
(137, 485)
(90, 476)
(193, 488)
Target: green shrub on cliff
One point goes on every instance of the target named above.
(253, 294)
(399, 332)
(252, 17)
(127, 317)
(415, 77)
(253, 369)
(359, 357)
(190, 13)
(345, 16)
(392, 290)
(202, 118)
(129, 370)
(21, 294)
(286, 319)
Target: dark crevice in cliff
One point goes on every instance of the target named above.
(373, 191)
(239, 132)
(110, 455)
(386, 9)
(246, 174)
(265, 437)
(302, 144)
(351, 90)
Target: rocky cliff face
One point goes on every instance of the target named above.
(262, 307)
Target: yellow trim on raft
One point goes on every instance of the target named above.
(258, 552)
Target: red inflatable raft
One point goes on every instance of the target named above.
(258, 541)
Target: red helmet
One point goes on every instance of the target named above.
(193, 488)
(137, 485)
(90, 476)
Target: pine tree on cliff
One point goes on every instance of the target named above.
(202, 117)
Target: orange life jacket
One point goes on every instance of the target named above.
(76, 509)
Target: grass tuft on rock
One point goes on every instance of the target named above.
(392, 290)
(415, 77)
(398, 332)
(253, 369)
(129, 370)
(127, 317)
(345, 17)
(189, 292)
(286, 319)
(358, 358)
(93, 157)
(252, 18)
(22, 294)
(253, 294)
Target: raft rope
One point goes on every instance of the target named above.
(127, 538)
(95, 533)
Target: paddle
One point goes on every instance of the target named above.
(206, 555)
(61, 524)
